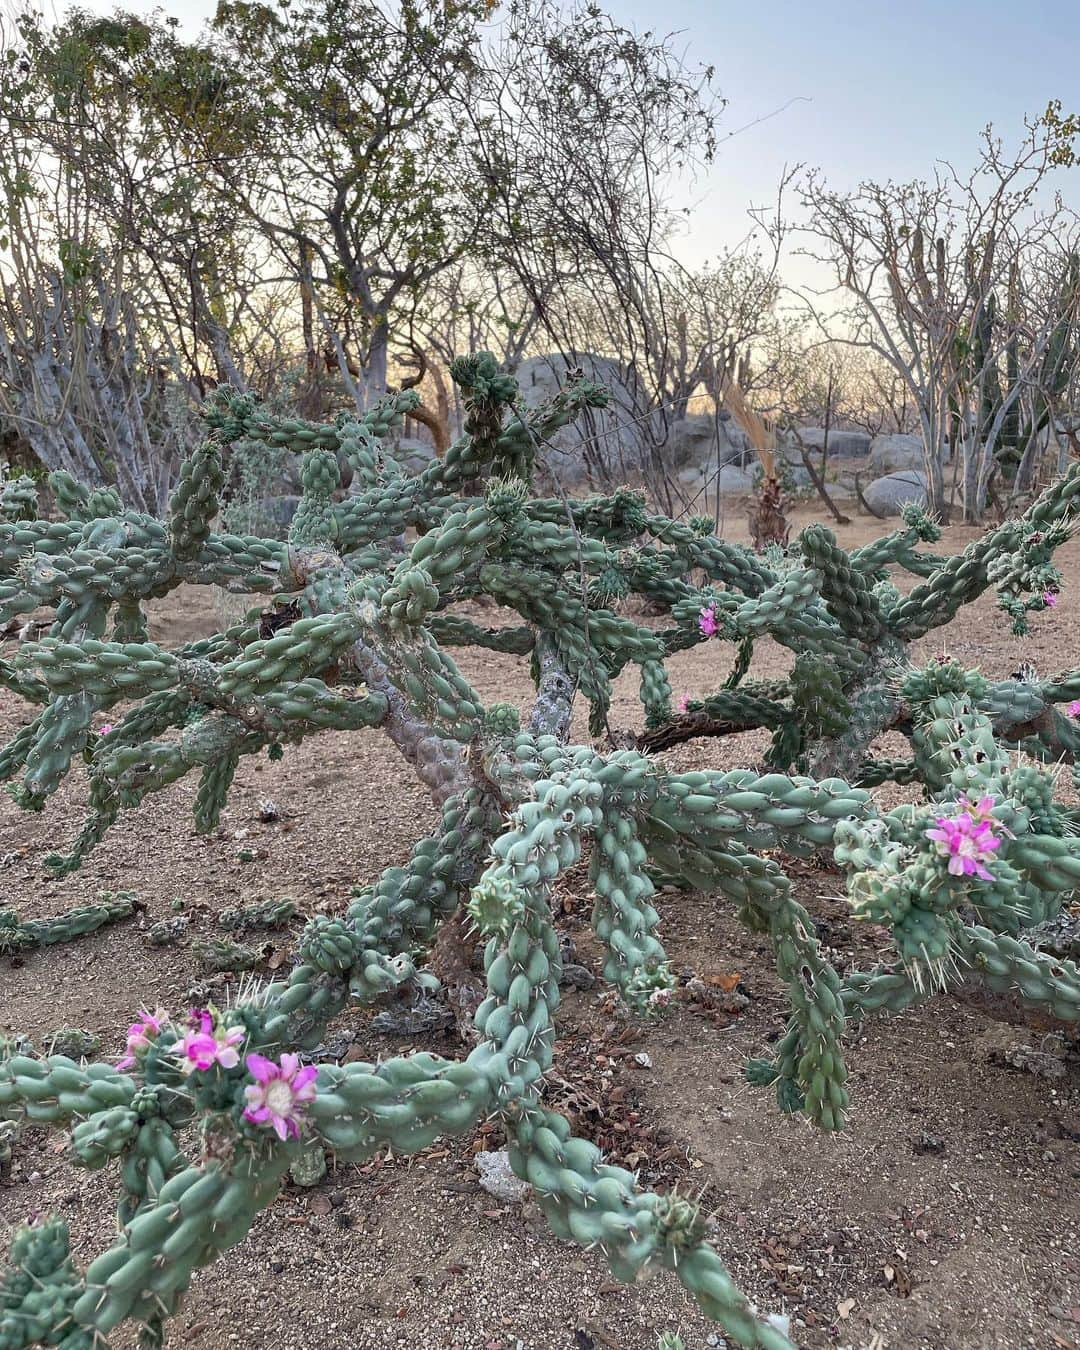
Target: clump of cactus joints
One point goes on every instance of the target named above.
(368, 591)
(19, 935)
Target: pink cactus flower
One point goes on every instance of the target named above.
(1073, 709)
(683, 705)
(105, 728)
(207, 1044)
(1050, 599)
(707, 621)
(968, 840)
(142, 1034)
(279, 1094)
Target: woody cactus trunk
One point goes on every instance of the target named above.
(363, 612)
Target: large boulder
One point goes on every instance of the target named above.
(541, 377)
(619, 436)
(702, 439)
(705, 478)
(894, 452)
(791, 466)
(888, 494)
(277, 513)
(842, 444)
(732, 479)
(413, 453)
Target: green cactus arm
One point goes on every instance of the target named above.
(624, 919)
(558, 546)
(720, 714)
(883, 989)
(38, 1289)
(18, 498)
(56, 1090)
(716, 715)
(1062, 688)
(964, 578)
(1010, 965)
(818, 697)
(899, 545)
(775, 609)
(22, 685)
(409, 1102)
(808, 1071)
(104, 811)
(109, 907)
(655, 693)
(234, 416)
(105, 669)
(19, 539)
(728, 563)
(843, 587)
(593, 1203)
(148, 1161)
(13, 754)
(756, 810)
(304, 647)
(234, 562)
(874, 772)
(204, 1210)
(615, 518)
(194, 502)
(456, 631)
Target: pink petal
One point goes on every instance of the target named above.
(261, 1068)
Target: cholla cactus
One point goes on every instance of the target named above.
(356, 637)
(17, 934)
(849, 628)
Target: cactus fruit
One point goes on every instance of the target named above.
(363, 620)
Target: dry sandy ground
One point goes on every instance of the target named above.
(945, 1217)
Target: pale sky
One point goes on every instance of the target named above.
(871, 90)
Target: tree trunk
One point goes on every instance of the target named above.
(973, 505)
(935, 488)
(376, 366)
(311, 396)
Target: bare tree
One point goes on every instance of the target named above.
(916, 271)
(584, 129)
(82, 384)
